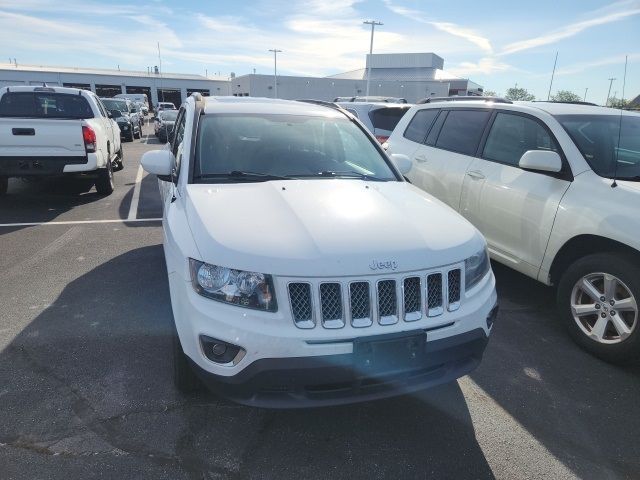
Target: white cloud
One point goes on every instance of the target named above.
(448, 27)
(615, 12)
(485, 66)
(577, 68)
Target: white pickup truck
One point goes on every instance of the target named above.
(51, 131)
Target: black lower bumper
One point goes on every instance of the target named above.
(34, 166)
(335, 379)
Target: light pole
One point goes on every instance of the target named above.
(585, 94)
(609, 92)
(275, 71)
(373, 24)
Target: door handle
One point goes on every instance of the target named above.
(476, 174)
(421, 158)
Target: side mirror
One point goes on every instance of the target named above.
(402, 162)
(541, 161)
(115, 113)
(158, 162)
(109, 115)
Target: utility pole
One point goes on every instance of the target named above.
(160, 71)
(373, 24)
(552, 75)
(609, 92)
(275, 71)
(585, 94)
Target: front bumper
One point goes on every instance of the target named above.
(334, 379)
(276, 352)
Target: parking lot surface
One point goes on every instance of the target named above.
(86, 373)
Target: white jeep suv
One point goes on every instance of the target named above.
(537, 179)
(303, 270)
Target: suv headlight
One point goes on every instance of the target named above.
(245, 289)
(475, 268)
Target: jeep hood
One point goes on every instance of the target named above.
(328, 227)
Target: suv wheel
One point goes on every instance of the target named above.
(130, 135)
(599, 298)
(184, 377)
(104, 182)
(4, 185)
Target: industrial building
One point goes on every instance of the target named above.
(408, 75)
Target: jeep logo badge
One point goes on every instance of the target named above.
(387, 265)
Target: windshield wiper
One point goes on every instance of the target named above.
(239, 174)
(347, 174)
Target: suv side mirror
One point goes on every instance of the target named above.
(402, 162)
(541, 161)
(115, 113)
(158, 162)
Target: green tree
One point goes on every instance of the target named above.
(566, 96)
(489, 93)
(516, 93)
(615, 102)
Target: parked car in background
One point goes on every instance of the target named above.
(163, 124)
(271, 306)
(121, 113)
(379, 118)
(51, 131)
(137, 115)
(143, 108)
(164, 106)
(555, 189)
(136, 98)
(370, 99)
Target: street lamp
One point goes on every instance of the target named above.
(373, 24)
(275, 71)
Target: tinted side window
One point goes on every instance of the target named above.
(386, 118)
(462, 131)
(419, 125)
(512, 135)
(178, 137)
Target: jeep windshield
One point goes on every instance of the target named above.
(602, 142)
(259, 147)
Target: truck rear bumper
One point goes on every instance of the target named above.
(45, 166)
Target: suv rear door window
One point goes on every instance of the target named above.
(462, 131)
(386, 118)
(512, 135)
(420, 124)
(44, 105)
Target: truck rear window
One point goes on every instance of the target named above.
(387, 118)
(44, 105)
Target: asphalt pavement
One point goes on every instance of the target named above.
(86, 382)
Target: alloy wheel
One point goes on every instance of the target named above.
(604, 308)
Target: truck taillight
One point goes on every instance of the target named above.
(89, 137)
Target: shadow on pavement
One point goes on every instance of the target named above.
(87, 387)
(584, 411)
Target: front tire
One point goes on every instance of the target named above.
(599, 299)
(104, 182)
(4, 185)
(184, 378)
(130, 134)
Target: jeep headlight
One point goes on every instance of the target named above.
(475, 268)
(245, 289)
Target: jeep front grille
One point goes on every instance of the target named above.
(385, 300)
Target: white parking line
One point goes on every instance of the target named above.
(133, 209)
(81, 222)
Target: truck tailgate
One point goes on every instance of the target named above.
(25, 137)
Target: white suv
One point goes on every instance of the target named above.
(303, 269)
(537, 179)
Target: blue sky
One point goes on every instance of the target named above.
(496, 44)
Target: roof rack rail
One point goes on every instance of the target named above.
(464, 99)
(591, 104)
(323, 103)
